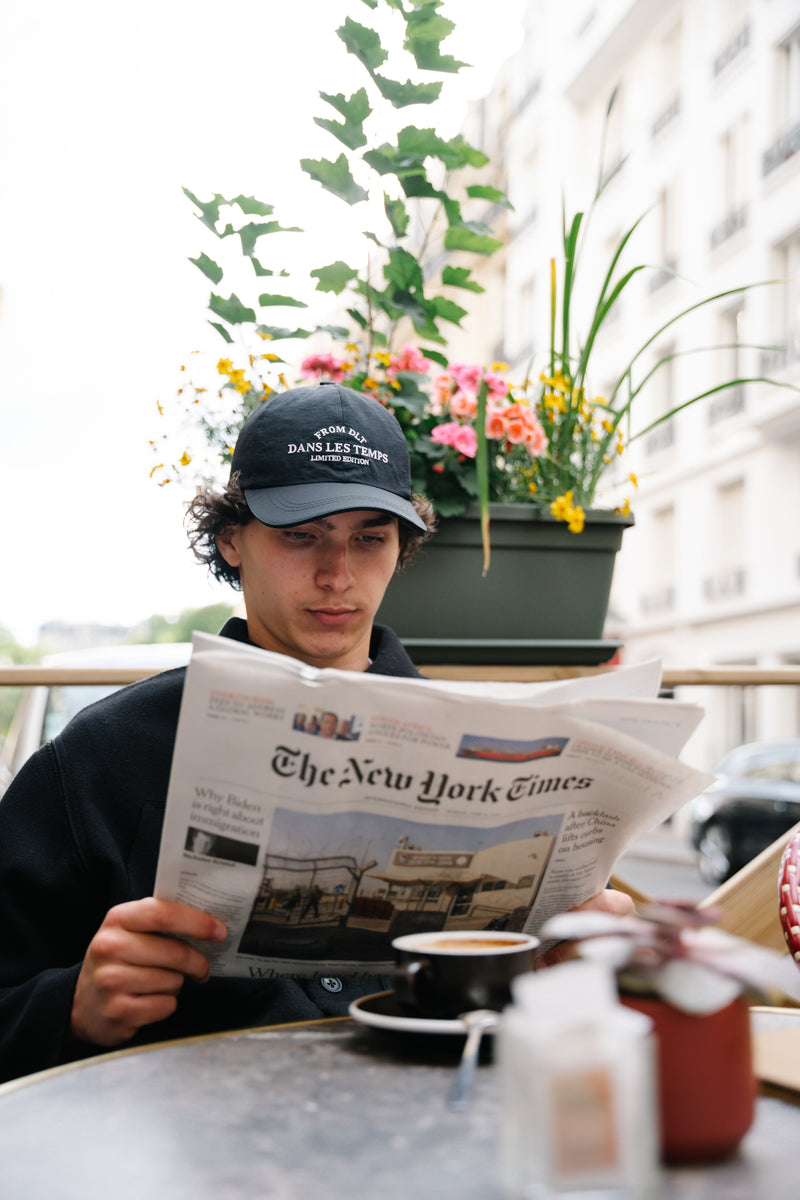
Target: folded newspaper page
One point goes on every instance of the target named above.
(320, 814)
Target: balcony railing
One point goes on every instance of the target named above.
(781, 149)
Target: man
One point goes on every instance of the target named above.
(312, 525)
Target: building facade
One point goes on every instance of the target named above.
(703, 138)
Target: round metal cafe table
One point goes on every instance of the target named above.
(322, 1109)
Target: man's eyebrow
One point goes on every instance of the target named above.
(381, 520)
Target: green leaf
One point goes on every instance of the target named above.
(222, 331)
(335, 177)
(337, 331)
(363, 43)
(437, 356)
(253, 207)
(277, 333)
(400, 95)
(268, 299)
(448, 310)
(460, 277)
(463, 238)
(209, 211)
(261, 270)
(419, 144)
(210, 269)
(349, 135)
(334, 278)
(249, 234)
(459, 153)
(355, 109)
(358, 317)
(416, 186)
(426, 30)
(231, 310)
(480, 191)
(398, 217)
(403, 270)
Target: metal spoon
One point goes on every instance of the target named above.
(475, 1023)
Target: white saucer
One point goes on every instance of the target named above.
(382, 1011)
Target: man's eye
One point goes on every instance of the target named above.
(371, 539)
(296, 535)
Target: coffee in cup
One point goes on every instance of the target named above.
(449, 972)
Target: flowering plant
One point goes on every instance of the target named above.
(674, 950)
(473, 433)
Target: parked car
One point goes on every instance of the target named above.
(755, 798)
(44, 711)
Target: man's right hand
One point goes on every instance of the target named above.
(135, 966)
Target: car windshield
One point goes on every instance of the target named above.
(64, 702)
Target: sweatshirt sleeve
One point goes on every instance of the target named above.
(47, 918)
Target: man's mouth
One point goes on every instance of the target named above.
(333, 618)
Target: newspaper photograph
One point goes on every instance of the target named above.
(321, 813)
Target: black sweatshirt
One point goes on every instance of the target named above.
(80, 828)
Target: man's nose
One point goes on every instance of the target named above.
(334, 569)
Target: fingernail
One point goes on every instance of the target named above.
(220, 932)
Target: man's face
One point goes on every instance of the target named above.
(312, 590)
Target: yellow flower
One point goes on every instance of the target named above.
(499, 366)
(271, 357)
(382, 358)
(563, 508)
(351, 348)
(576, 519)
(608, 425)
(624, 509)
(224, 366)
(634, 479)
(531, 488)
(185, 458)
(267, 337)
(160, 408)
(396, 386)
(370, 384)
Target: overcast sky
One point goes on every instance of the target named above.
(106, 109)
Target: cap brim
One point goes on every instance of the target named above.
(284, 506)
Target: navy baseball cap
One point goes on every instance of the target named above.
(323, 449)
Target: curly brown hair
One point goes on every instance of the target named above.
(210, 512)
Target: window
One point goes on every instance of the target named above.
(787, 82)
(661, 389)
(727, 550)
(785, 299)
(785, 102)
(730, 366)
(667, 237)
(660, 597)
(668, 73)
(732, 156)
(732, 32)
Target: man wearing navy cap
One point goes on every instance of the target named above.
(317, 516)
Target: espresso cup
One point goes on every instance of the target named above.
(446, 973)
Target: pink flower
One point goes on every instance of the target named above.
(495, 424)
(442, 388)
(317, 365)
(536, 441)
(467, 377)
(410, 358)
(498, 387)
(464, 404)
(461, 437)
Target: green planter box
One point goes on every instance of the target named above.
(544, 599)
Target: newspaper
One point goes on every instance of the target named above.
(321, 813)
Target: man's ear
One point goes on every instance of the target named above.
(227, 545)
